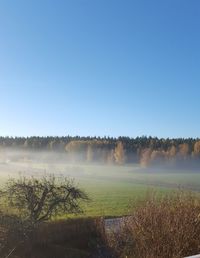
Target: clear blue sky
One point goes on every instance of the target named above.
(100, 67)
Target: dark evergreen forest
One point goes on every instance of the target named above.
(144, 150)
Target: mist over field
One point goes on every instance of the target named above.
(112, 171)
(13, 161)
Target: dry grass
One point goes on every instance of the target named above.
(81, 232)
(73, 238)
(167, 227)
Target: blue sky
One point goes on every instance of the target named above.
(100, 67)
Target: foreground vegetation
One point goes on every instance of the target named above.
(71, 238)
(160, 227)
(28, 202)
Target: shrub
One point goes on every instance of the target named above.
(70, 238)
(161, 227)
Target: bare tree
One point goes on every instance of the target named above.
(34, 201)
(37, 200)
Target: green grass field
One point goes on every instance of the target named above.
(113, 190)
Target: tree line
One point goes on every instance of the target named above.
(110, 150)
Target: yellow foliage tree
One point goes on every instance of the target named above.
(119, 154)
(197, 149)
(145, 158)
(184, 150)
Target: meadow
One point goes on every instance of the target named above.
(113, 190)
